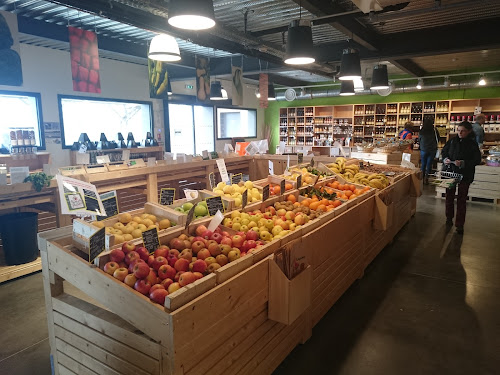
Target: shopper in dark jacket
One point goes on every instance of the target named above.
(427, 140)
(460, 155)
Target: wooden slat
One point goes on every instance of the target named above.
(12, 272)
(65, 371)
(73, 365)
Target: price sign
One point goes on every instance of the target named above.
(312, 162)
(299, 181)
(244, 199)
(151, 240)
(214, 204)
(97, 244)
(110, 202)
(265, 193)
(235, 178)
(282, 187)
(167, 196)
(211, 177)
(360, 165)
(300, 157)
(271, 167)
(221, 164)
(190, 216)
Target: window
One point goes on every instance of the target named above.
(109, 116)
(20, 112)
(236, 123)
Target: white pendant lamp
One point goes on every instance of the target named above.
(164, 48)
(191, 14)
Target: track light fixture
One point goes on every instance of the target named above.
(420, 84)
(446, 82)
(482, 80)
(191, 14)
(299, 46)
(350, 65)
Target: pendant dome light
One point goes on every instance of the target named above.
(191, 14)
(420, 84)
(271, 95)
(482, 81)
(299, 46)
(164, 48)
(380, 78)
(346, 88)
(216, 91)
(350, 65)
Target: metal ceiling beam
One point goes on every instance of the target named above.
(281, 80)
(410, 67)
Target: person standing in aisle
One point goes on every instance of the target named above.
(460, 155)
(428, 141)
(407, 132)
(478, 129)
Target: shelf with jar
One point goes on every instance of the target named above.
(404, 108)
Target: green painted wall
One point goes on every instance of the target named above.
(272, 112)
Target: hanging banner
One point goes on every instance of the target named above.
(237, 85)
(84, 60)
(79, 197)
(202, 78)
(263, 83)
(11, 73)
(158, 79)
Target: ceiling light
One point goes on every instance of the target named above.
(350, 66)
(164, 48)
(482, 81)
(191, 14)
(380, 79)
(299, 46)
(420, 84)
(346, 88)
(358, 85)
(169, 88)
(216, 91)
(271, 95)
(257, 93)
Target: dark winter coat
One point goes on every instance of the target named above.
(465, 149)
(427, 141)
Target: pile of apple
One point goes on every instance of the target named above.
(275, 222)
(129, 227)
(200, 210)
(184, 261)
(236, 190)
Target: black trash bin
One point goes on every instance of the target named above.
(19, 237)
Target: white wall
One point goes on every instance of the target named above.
(48, 72)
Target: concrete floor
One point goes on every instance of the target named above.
(428, 304)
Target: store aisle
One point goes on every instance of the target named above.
(427, 305)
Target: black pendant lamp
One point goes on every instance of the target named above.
(271, 95)
(380, 79)
(216, 91)
(191, 14)
(350, 65)
(299, 46)
(346, 88)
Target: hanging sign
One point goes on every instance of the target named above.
(300, 157)
(110, 202)
(221, 164)
(167, 196)
(79, 197)
(151, 240)
(214, 204)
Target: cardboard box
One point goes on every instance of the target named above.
(383, 210)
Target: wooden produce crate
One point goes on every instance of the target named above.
(111, 329)
(82, 230)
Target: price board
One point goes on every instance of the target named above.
(265, 193)
(312, 162)
(211, 178)
(244, 199)
(110, 203)
(299, 181)
(151, 240)
(282, 187)
(190, 216)
(167, 196)
(214, 204)
(235, 178)
(97, 244)
(300, 158)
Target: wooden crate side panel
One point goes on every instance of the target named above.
(99, 340)
(99, 354)
(65, 371)
(189, 292)
(106, 323)
(125, 302)
(72, 365)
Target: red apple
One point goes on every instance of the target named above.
(173, 253)
(162, 251)
(198, 238)
(198, 275)
(217, 237)
(111, 267)
(155, 287)
(197, 246)
(218, 230)
(251, 244)
(132, 256)
(117, 255)
(182, 265)
(141, 270)
(226, 241)
(237, 241)
(120, 273)
(177, 244)
(127, 247)
(225, 234)
(207, 234)
(203, 253)
(130, 280)
(200, 230)
(131, 265)
(252, 235)
(166, 272)
(166, 283)
(142, 286)
(187, 278)
(214, 249)
(152, 277)
(178, 275)
(187, 244)
(221, 259)
(173, 287)
(159, 295)
(199, 266)
(143, 253)
(150, 261)
(186, 254)
(158, 262)
(172, 261)
(123, 264)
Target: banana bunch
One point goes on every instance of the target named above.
(374, 180)
(339, 166)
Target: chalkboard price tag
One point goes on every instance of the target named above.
(110, 203)
(265, 193)
(151, 240)
(300, 157)
(282, 187)
(97, 244)
(312, 162)
(167, 196)
(211, 177)
(299, 181)
(190, 216)
(235, 178)
(214, 204)
(360, 165)
(244, 199)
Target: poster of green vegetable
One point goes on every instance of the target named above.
(158, 79)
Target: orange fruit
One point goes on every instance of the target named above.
(277, 190)
(291, 198)
(296, 204)
(322, 207)
(336, 203)
(352, 187)
(348, 193)
(335, 185)
(288, 186)
(358, 191)
(367, 188)
(329, 208)
(306, 202)
(352, 197)
(314, 205)
(323, 201)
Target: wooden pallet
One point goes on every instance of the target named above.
(474, 197)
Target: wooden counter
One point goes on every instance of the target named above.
(33, 161)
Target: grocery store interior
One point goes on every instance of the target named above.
(127, 125)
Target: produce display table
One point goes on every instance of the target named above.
(388, 159)
(33, 161)
(228, 329)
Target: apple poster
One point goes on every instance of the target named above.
(11, 73)
(84, 55)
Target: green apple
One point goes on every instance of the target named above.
(276, 230)
(265, 235)
(179, 209)
(187, 206)
(200, 210)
